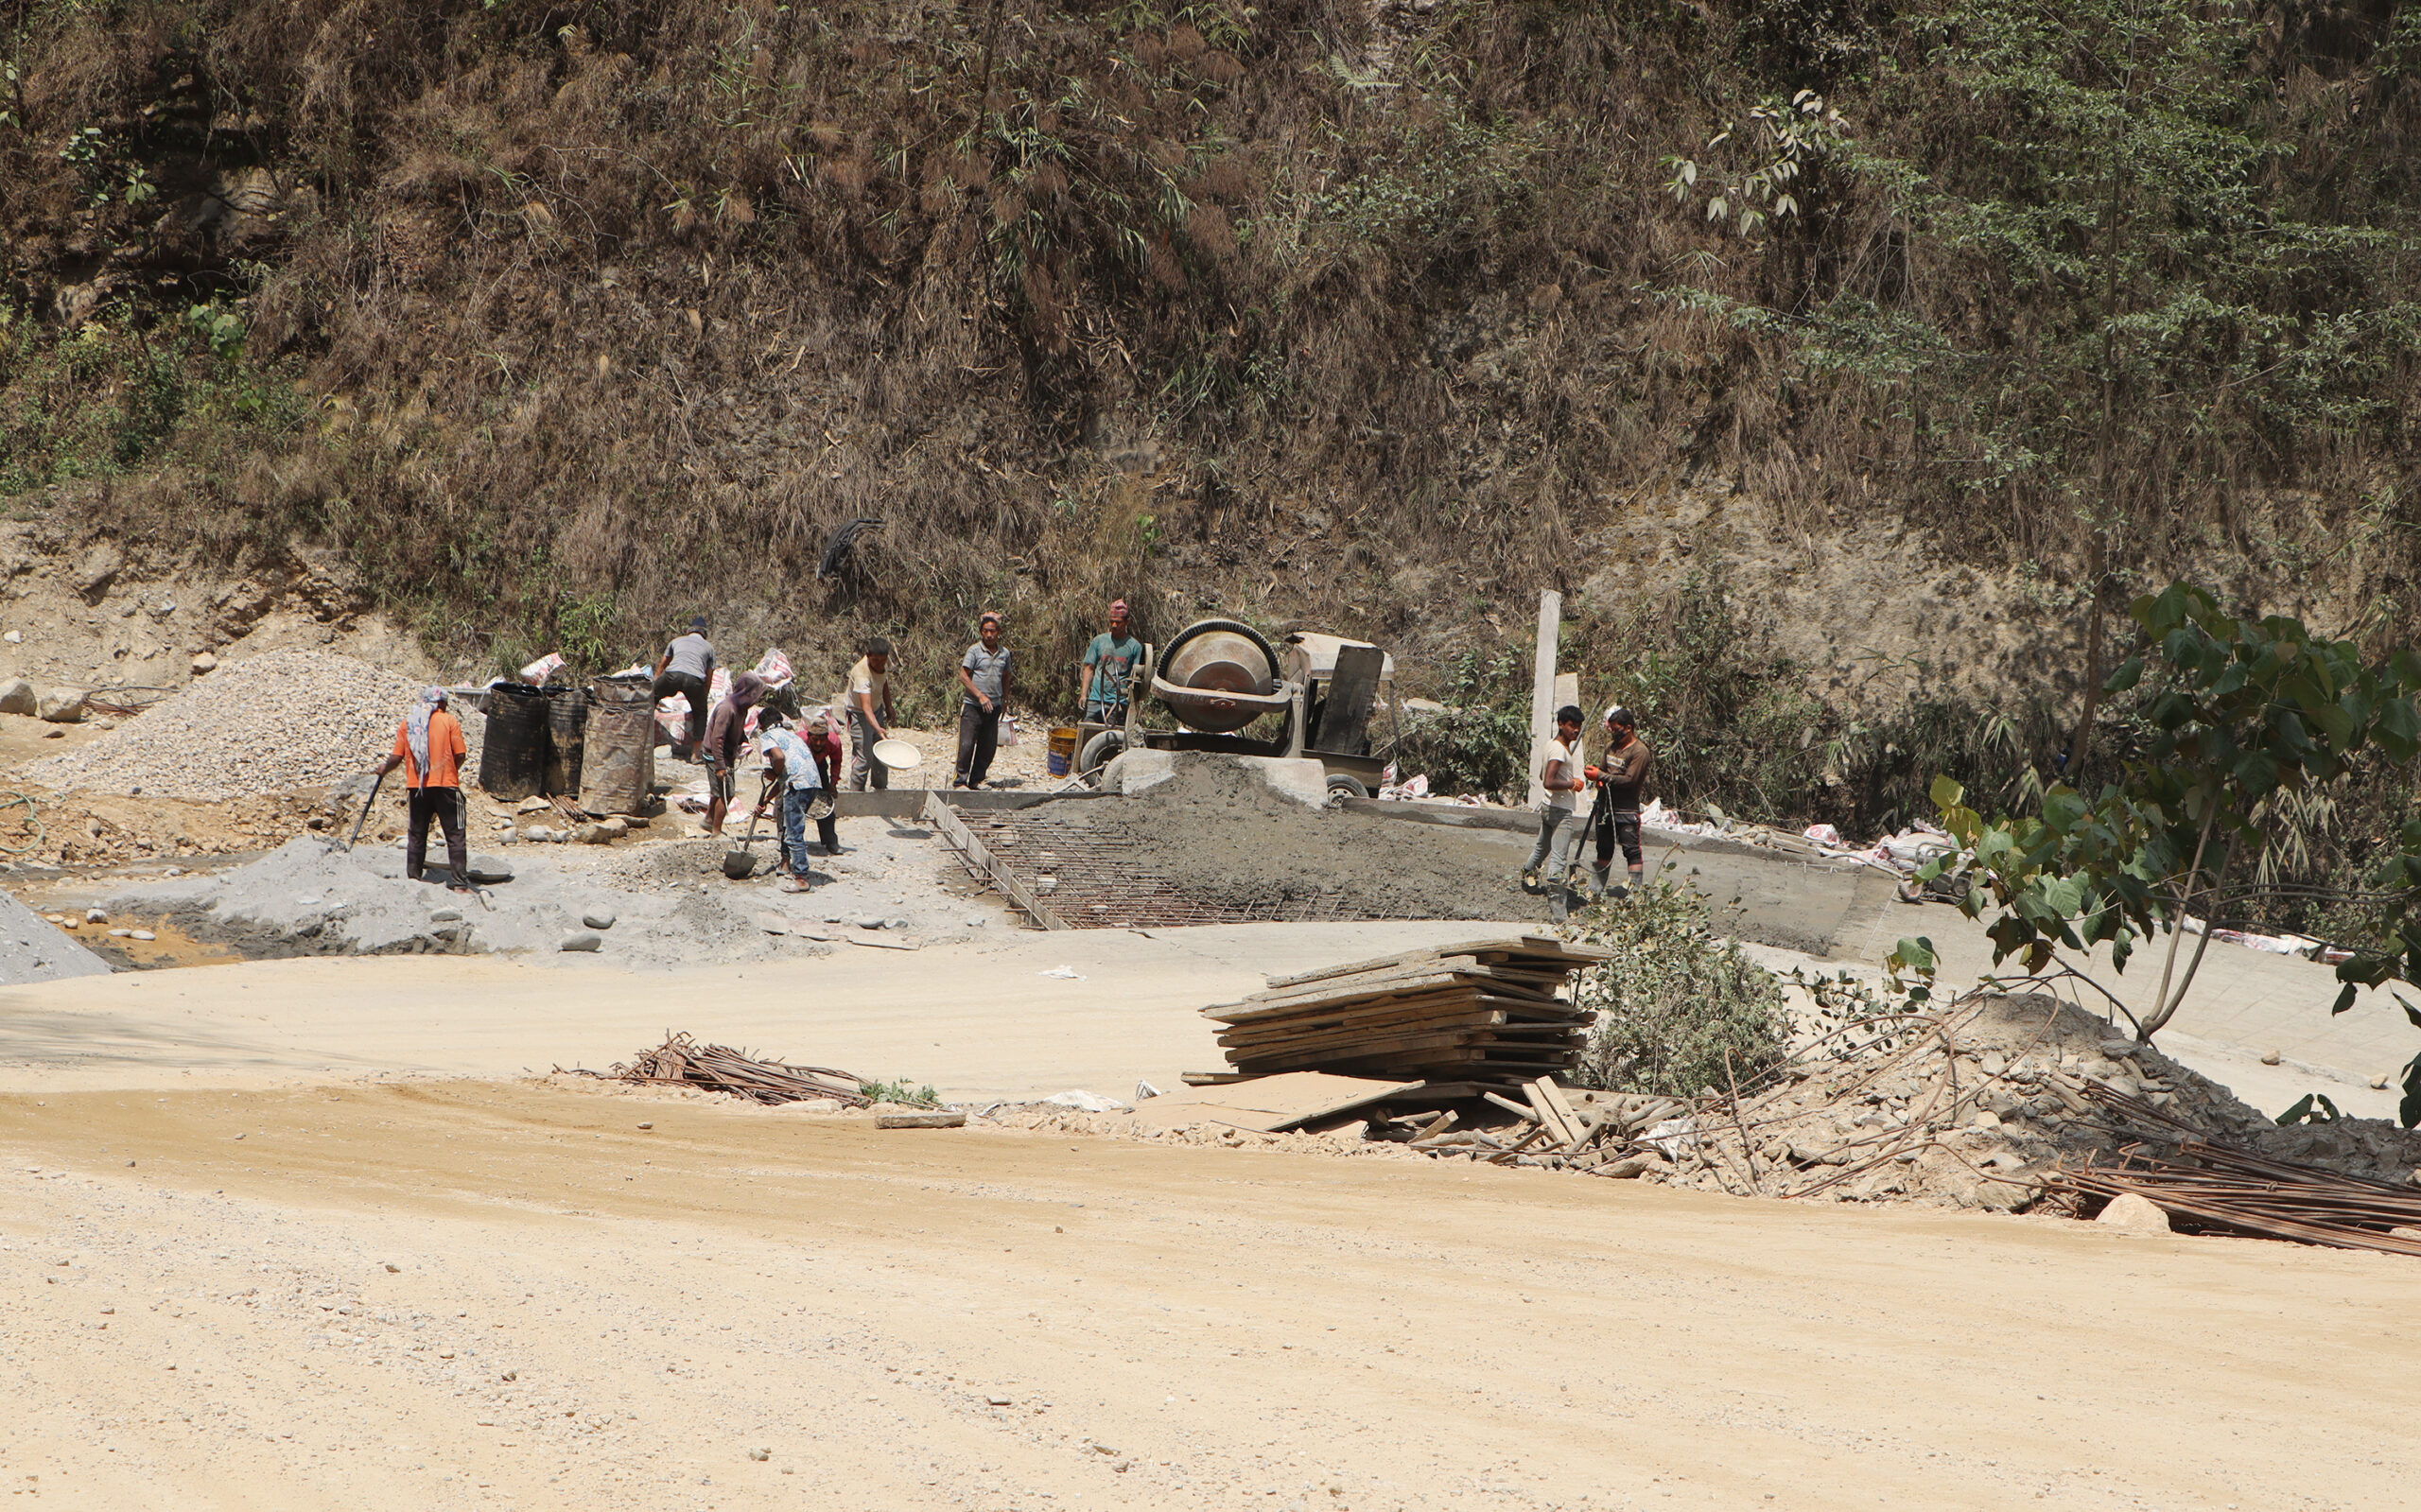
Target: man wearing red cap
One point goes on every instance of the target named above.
(1101, 685)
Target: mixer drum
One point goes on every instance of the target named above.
(1218, 676)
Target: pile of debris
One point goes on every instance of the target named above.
(1486, 1012)
(2002, 1103)
(681, 1061)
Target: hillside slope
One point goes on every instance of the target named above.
(1835, 359)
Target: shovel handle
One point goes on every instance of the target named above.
(375, 783)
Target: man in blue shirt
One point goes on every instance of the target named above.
(1109, 660)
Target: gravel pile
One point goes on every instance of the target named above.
(275, 722)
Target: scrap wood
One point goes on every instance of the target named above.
(681, 1061)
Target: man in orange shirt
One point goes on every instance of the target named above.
(429, 748)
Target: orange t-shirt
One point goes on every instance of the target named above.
(445, 751)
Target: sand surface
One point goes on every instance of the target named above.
(580, 1314)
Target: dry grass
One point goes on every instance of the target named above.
(633, 306)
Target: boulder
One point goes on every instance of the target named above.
(61, 705)
(2135, 1215)
(205, 663)
(597, 918)
(17, 696)
(489, 870)
(585, 940)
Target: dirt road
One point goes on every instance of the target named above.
(582, 1313)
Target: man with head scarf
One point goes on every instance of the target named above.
(794, 779)
(824, 743)
(429, 748)
(688, 668)
(726, 736)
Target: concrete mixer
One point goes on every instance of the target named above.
(1216, 679)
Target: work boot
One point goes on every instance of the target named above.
(1530, 881)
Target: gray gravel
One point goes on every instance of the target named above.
(270, 724)
(33, 949)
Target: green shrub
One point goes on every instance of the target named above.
(1680, 1009)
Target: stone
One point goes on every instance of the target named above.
(61, 705)
(14, 637)
(444, 915)
(204, 664)
(2270, 1057)
(2132, 1214)
(585, 940)
(599, 918)
(593, 834)
(1133, 772)
(2404, 1233)
(760, 1454)
(977, 921)
(96, 916)
(897, 922)
(17, 696)
(489, 870)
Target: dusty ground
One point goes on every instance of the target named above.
(583, 1313)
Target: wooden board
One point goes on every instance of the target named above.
(1346, 712)
(1266, 1103)
(963, 840)
(1556, 952)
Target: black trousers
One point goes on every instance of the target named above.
(1616, 827)
(444, 805)
(978, 735)
(694, 690)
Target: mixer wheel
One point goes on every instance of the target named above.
(1348, 787)
(1097, 752)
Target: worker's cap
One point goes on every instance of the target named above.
(698, 623)
(878, 647)
(1619, 715)
(1568, 714)
(1117, 604)
(818, 723)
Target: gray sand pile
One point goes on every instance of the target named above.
(1222, 837)
(272, 723)
(34, 949)
(307, 897)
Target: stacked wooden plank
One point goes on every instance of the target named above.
(1484, 1012)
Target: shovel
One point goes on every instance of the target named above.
(375, 784)
(741, 864)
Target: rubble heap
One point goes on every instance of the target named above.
(1979, 1106)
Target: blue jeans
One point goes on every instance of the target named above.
(794, 802)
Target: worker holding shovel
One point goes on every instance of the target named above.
(429, 748)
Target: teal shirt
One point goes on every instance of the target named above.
(1113, 662)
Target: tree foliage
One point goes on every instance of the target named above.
(2242, 714)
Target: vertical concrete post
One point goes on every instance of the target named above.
(1542, 689)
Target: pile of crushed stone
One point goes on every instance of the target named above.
(1223, 838)
(270, 724)
(1977, 1107)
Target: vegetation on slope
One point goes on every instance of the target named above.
(564, 320)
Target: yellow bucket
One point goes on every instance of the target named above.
(1062, 758)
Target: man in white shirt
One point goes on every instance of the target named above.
(868, 702)
(791, 772)
(1559, 837)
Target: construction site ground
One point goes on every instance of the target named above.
(328, 1230)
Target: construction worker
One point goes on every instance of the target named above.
(429, 748)
(867, 698)
(984, 685)
(1109, 660)
(688, 668)
(1559, 837)
(1614, 815)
